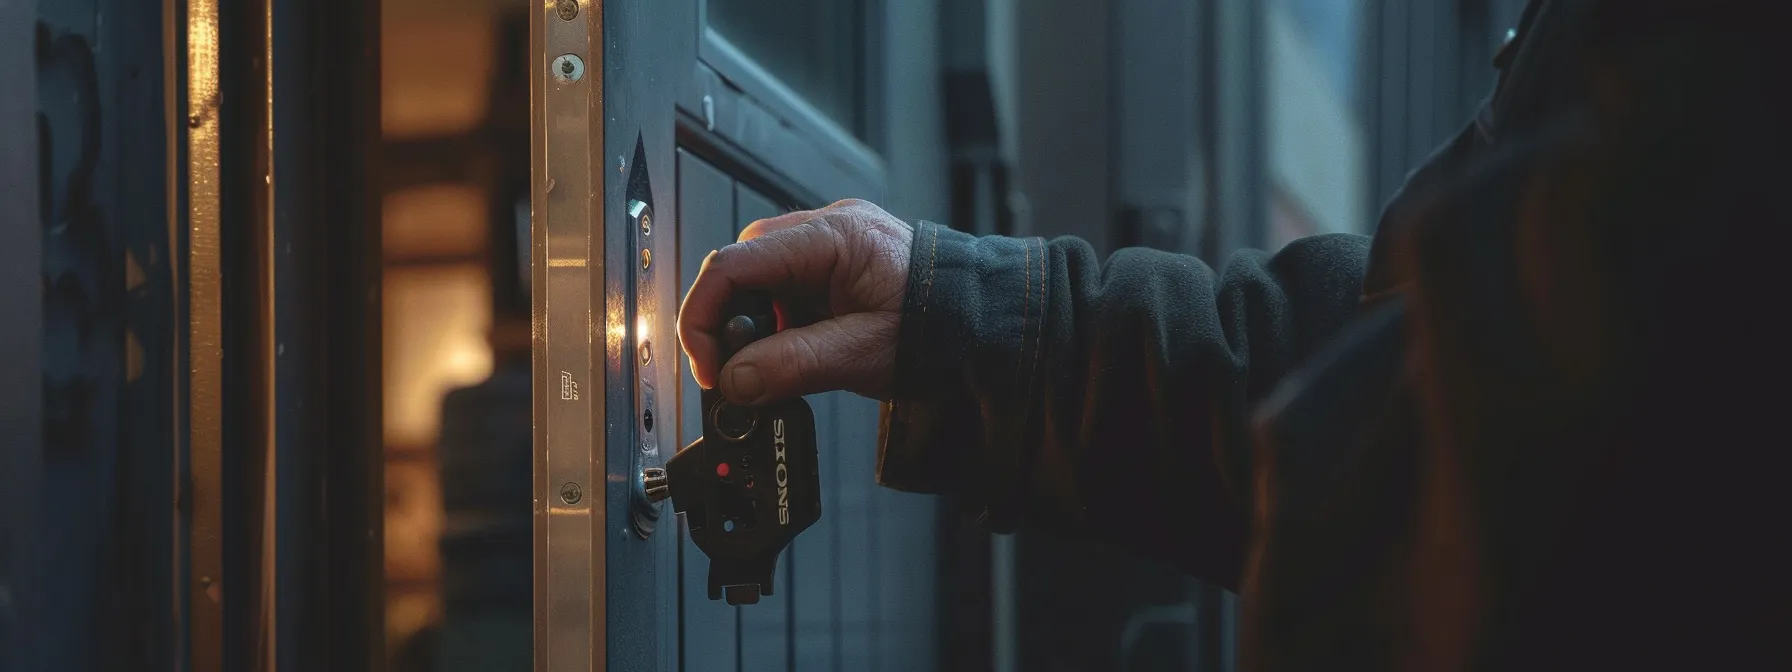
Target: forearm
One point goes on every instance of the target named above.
(1034, 381)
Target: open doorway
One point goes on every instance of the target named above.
(453, 177)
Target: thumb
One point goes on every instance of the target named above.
(854, 352)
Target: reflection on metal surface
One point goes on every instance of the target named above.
(205, 420)
(567, 277)
(266, 632)
(644, 303)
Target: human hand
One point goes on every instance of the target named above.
(839, 276)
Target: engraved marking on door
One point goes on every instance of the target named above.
(569, 388)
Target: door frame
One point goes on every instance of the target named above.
(604, 343)
(21, 346)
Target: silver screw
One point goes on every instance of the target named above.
(570, 493)
(569, 68)
(646, 223)
(569, 9)
(646, 352)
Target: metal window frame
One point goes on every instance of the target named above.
(740, 101)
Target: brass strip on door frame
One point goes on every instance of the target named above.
(566, 240)
(199, 26)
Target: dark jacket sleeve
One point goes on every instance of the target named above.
(1035, 382)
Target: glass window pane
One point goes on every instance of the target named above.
(814, 46)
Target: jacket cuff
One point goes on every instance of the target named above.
(967, 361)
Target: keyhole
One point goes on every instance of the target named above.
(566, 67)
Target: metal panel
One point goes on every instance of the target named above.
(322, 345)
(765, 627)
(641, 54)
(709, 631)
(1155, 122)
(1430, 68)
(813, 558)
(1063, 71)
(21, 346)
(861, 539)
(1235, 132)
(1422, 73)
(906, 598)
(246, 185)
(102, 321)
(204, 406)
(352, 482)
(567, 264)
(1387, 79)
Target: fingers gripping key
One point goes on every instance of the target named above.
(751, 483)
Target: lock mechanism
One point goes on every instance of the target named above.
(752, 482)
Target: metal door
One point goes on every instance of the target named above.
(658, 130)
(603, 578)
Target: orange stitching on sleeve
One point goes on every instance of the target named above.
(927, 284)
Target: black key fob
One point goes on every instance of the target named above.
(752, 482)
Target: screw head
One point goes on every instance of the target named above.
(646, 259)
(568, 68)
(646, 223)
(570, 493)
(646, 352)
(569, 9)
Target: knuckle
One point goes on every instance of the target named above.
(834, 232)
(805, 355)
(729, 255)
(783, 249)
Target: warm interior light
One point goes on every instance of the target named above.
(641, 332)
(435, 333)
